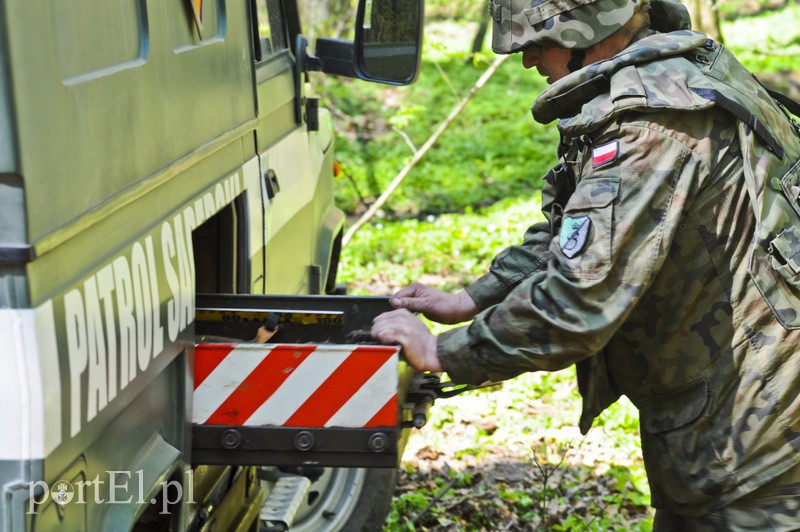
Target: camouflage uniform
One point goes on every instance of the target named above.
(641, 273)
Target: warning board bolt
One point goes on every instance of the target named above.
(304, 440)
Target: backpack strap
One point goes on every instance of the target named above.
(790, 105)
(742, 113)
(784, 102)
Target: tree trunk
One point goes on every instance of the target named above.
(480, 36)
(705, 17)
(481, 16)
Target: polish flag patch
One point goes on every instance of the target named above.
(605, 153)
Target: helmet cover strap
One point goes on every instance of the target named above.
(576, 59)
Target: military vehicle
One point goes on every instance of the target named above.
(166, 195)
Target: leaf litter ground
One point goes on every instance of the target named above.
(503, 460)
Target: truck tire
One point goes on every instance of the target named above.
(345, 499)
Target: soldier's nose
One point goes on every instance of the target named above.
(531, 57)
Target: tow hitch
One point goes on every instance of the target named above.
(425, 388)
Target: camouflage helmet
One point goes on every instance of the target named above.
(575, 24)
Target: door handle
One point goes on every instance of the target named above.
(271, 182)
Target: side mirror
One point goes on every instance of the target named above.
(387, 47)
(389, 40)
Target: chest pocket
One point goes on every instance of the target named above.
(583, 244)
(775, 262)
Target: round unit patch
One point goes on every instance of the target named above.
(574, 235)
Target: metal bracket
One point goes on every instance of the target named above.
(425, 388)
(431, 385)
(284, 500)
(16, 255)
(287, 446)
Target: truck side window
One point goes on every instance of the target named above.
(271, 31)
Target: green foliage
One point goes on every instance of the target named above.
(733, 9)
(406, 504)
(458, 10)
(768, 41)
(493, 150)
(454, 248)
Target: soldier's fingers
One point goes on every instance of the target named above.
(393, 331)
(412, 290)
(413, 304)
(380, 328)
(385, 322)
(384, 335)
(389, 316)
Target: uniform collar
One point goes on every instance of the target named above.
(565, 97)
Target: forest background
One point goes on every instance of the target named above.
(510, 457)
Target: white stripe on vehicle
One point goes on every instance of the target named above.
(298, 387)
(224, 380)
(30, 420)
(369, 399)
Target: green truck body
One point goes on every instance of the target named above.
(149, 151)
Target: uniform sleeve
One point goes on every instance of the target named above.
(616, 231)
(517, 262)
(511, 266)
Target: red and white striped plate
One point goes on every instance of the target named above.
(295, 385)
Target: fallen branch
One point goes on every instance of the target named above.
(423, 150)
(406, 138)
(447, 80)
(433, 501)
(464, 498)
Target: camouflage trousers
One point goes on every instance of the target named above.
(774, 506)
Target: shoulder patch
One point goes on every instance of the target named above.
(574, 235)
(605, 153)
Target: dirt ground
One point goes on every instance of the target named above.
(468, 470)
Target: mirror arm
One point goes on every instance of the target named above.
(314, 64)
(335, 56)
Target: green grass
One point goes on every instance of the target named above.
(453, 248)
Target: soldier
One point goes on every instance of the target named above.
(668, 268)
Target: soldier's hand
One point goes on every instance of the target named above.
(436, 305)
(402, 327)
